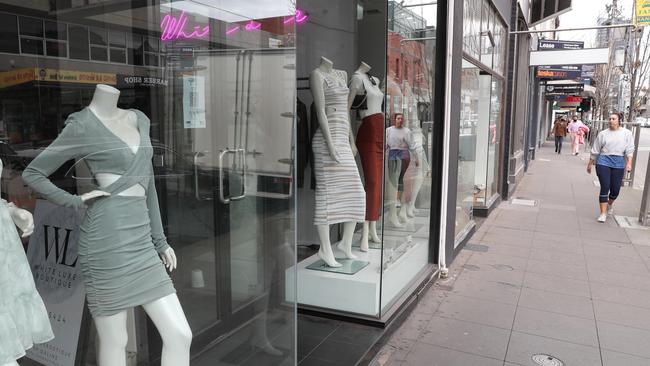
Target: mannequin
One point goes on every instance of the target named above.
(414, 176)
(125, 129)
(340, 197)
(19, 295)
(370, 142)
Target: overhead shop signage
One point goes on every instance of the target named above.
(140, 81)
(642, 12)
(20, 76)
(551, 89)
(550, 45)
(559, 72)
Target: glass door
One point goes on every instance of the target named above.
(227, 142)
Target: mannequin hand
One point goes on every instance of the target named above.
(23, 219)
(169, 259)
(628, 167)
(93, 194)
(588, 168)
(334, 155)
(355, 151)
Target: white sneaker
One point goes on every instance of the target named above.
(610, 210)
(602, 217)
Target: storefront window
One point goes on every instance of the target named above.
(480, 115)
(190, 130)
(363, 220)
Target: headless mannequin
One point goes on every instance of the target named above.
(24, 220)
(415, 174)
(316, 81)
(166, 312)
(374, 100)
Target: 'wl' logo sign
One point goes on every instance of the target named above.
(60, 250)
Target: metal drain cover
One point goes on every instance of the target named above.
(546, 360)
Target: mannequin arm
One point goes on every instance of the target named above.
(157, 234)
(23, 219)
(316, 81)
(356, 88)
(70, 144)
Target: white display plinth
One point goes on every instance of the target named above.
(358, 293)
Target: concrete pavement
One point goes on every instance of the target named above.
(546, 279)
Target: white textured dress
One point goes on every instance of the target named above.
(340, 196)
(23, 318)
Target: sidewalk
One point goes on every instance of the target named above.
(547, 279)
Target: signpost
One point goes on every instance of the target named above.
(559, 72)
(550, 45)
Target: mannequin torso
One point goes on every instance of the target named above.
(123, 124)
(361, 81)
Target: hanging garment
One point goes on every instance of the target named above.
(370, 143)
(340, 196)
(121, 236)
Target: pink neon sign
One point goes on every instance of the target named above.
(299, 18)
(174, 28)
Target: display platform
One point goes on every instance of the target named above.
(361, 292)
(348, 266)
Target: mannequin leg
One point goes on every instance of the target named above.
(112, 334)
(346, 244)
(325, 252)
(364, 237)
(373, 232)
(169, 318)
(394, 167)
(260, 337)
(417, 185)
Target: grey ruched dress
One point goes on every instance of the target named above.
(121, 236)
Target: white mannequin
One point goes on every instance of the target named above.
(24, 220)
(374, 99)
(316, 80)
(415, 173)
(166, 312)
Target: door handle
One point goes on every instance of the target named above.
(222, 197)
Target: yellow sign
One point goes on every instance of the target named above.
(16, 77)
(20, 76)
(642, 12)
(79, 77)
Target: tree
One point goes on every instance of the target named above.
(640, 70)
(606, 75)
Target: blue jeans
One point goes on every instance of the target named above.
(610, 182)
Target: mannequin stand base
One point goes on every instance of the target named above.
(348, 266)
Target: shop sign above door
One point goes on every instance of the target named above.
(550, 45)
(559, 72)
(551, 89)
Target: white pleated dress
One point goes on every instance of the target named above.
(23, 318)
(340, 196)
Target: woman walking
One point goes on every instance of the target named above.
(559, 131)
(612, 153)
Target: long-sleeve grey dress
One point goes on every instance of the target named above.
(120, 235)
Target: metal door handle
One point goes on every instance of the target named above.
(243, 191)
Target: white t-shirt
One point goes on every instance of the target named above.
(399, 138)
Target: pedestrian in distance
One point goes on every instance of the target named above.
(612, 153)
(559, 131)
(578, 131)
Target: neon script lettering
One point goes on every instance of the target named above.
(174, 28)
(299, 18)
